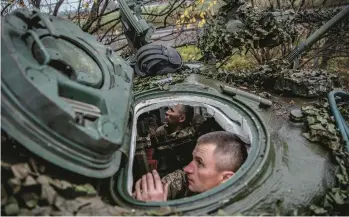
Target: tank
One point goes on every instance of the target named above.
(73, 111)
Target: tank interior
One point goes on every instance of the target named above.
(170, 155)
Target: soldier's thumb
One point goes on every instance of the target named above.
(165, 186)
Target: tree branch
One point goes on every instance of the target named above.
(104, 24)
(120, 48)
(163, 12)
(92, 16)
(4, 9)
(175, 8)
(92, 20)
(57, 6)
(100, 17)
(78, 13)
(106, 32)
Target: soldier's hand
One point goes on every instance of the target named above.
(150, 188)
(152, 133)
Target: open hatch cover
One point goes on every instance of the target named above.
(65, 96)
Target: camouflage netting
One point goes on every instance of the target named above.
(239, 26)
(304, 83)
(321, 129)
(260, 29)
(317, 16)
(32, 186)
(273, 77)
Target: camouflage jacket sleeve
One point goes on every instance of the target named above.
(159, 134)
(182, 133)
(177, 184)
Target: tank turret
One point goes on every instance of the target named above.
(58, 93)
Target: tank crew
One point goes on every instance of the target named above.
(178, 119)
(178, 125)
(216, 158)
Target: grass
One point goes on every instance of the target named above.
(239, 62)
(236, 62)
(190, 53)
(158, 21)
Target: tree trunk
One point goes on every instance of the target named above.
(58, 5)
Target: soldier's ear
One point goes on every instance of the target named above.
(181, 118)
(226, 175)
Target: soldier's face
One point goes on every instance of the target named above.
(174, 115)
(201, 171)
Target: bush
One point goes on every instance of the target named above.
(190, 53)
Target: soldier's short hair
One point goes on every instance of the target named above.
(230, 152)
(188, 111)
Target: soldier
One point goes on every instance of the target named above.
(216, 157)
(178, 125)
(178, 118)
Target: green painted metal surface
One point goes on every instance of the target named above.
(275, 177)
(137, 31)
(69, 100)
(64, 96)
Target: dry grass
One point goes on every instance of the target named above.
(340, 64)
(236, 62)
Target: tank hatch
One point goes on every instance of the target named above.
(65, 96)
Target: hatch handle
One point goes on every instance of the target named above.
(117, 68)
(41, 46)
(51, 29)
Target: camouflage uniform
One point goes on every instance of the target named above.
(167, 163)
(178, 185)
(162, 133)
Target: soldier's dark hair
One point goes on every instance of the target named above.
(230, 151)
(189, 113)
